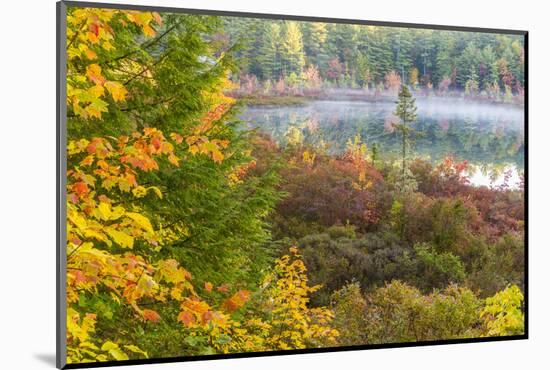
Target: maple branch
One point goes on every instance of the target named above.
(73, 252)
(140, 275)
(107, 275)
(143, 46)
(76, 33)
(140, 73)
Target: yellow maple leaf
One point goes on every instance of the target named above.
(93, 72)
(217, 156)
(97, 91)
(121, 238)
(117, 90)
(148, 30)
(141, 220)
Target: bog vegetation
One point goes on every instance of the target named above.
(188, 234)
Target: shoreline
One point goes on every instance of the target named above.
(261, 100)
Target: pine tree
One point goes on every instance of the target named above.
(292, 49)
(314, 36)
(342, 43)
(489, 67)
(424, 51)
(469, 59)
(443, 60)
(406, 111)
(472, 85)
(380, 54)
(402, 45)
(362, 66)
(269, 54)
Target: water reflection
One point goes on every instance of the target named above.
(509, 176)
(490, 137)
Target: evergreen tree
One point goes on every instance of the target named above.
(292, 49)
(406, 111)
(363, 73)
(342, 44)
(238, 31)
(269, 54)
(315, 37)
(469, 59)
(472, 84)
(380, 54)
(444, 65)
(402, 45)
(488, 67)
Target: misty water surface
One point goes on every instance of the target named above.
(489, 136)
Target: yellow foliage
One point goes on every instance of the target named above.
(308, 157)
(280, 320)
(90, 31)
(297, 325)
(106, 224)
(82, 348)
(502, 314)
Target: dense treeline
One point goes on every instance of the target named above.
(278, 53)
(188, 234)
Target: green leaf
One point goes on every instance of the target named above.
(224, 339)
(194, 340)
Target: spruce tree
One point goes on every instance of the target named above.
(406, 111)
(269, 54)
(315, 37)
(293, 50)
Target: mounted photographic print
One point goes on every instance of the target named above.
(235, 185)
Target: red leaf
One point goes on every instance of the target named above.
(156, 142)
(224, 288)
(207, 317)
(186, 318)
(81, 188)
(151, 315)
(237, 300)
(94, 27)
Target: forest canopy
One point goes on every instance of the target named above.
(347, 55)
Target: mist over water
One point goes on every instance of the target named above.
(510, 117)
(489, 136)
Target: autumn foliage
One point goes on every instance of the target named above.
(113, 245)
(188, 234)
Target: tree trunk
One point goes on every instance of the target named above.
(404, 148)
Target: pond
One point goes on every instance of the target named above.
(489, 136)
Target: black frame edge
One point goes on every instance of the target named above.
(526, 182)
(292, 352)
(290, 17)
(61, 170)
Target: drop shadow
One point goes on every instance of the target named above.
(46, 358)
